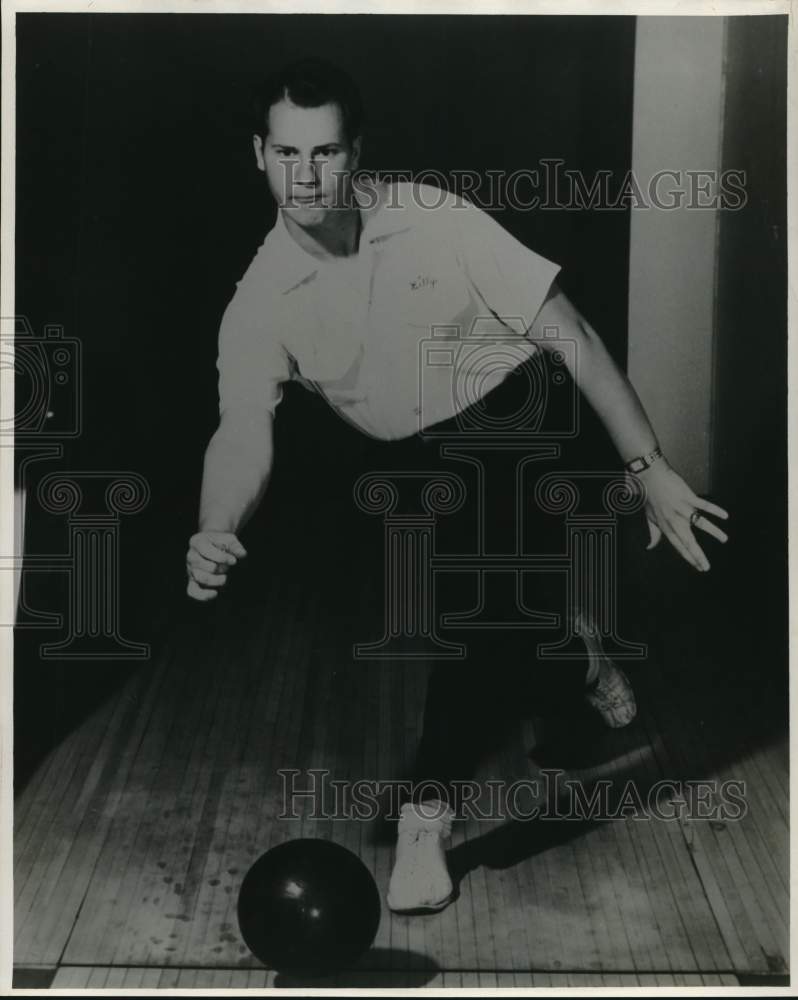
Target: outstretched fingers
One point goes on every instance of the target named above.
(710, 508)
(685, 544)
(711, 529)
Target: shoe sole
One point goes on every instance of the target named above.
(420, 911)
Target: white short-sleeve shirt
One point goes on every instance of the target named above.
(427, 317)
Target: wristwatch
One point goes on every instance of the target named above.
(643, 462)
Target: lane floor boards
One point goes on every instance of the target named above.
(133, 836)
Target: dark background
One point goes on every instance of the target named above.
(139, 206)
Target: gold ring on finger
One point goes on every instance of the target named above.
(695, 517)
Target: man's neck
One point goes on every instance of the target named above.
(338, 236)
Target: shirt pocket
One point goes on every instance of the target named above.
(422, 287)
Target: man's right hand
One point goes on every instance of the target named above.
(210, 556)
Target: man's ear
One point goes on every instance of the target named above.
(258, 143)
(356, 147)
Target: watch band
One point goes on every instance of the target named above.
(643, 462)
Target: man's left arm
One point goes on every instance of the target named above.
(672, 507)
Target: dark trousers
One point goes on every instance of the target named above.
(473, 709)
(472, 704)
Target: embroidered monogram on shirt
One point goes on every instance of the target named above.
(423, 281)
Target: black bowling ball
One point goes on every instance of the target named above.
(308, 907)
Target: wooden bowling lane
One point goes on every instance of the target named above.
(132, 837)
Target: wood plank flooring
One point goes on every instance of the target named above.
(133, 835)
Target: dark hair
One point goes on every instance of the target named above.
(310, 83)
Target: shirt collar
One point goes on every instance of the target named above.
(293, 266)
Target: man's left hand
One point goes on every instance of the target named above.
(674, 510)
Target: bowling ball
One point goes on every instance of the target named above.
(308, 907)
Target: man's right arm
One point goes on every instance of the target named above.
(238, 462)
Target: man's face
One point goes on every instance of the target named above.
(307, 160)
